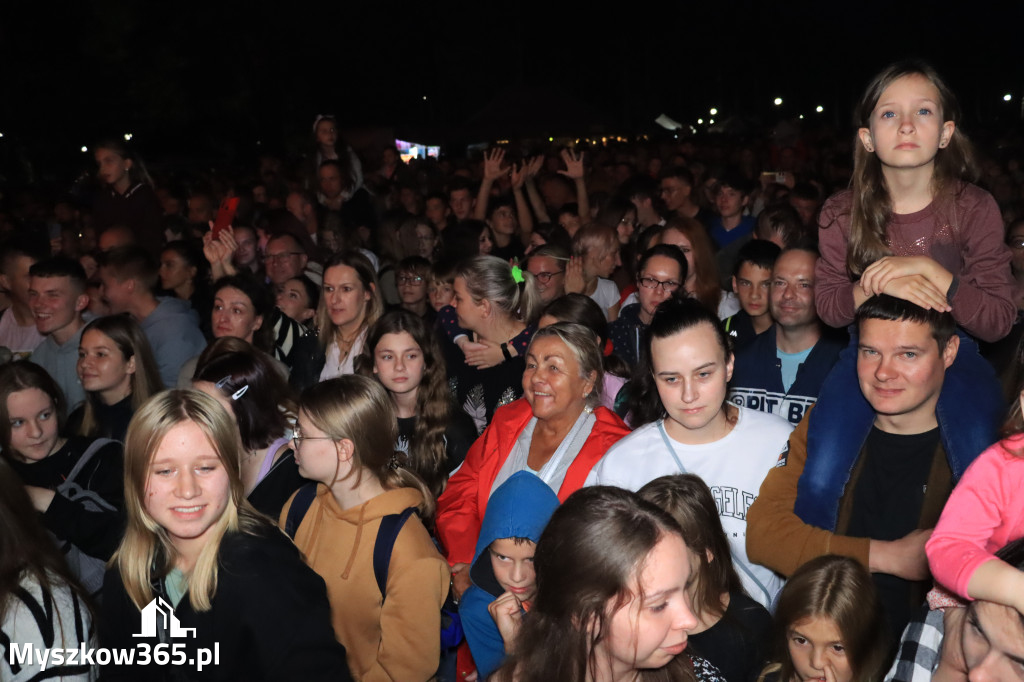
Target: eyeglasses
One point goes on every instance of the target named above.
(279, 257)
(651, 283)
(410, 279)
(297, 437)
(545, 277)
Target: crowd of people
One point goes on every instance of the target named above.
(657, 412)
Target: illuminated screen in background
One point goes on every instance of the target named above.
(412, 150)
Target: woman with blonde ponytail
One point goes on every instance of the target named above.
(345, 443)
(498, 305)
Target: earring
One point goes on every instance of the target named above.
(869, 147)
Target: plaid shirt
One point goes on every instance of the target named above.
(920, 649)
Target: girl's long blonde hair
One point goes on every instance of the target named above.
(146, 544)
(872, 203)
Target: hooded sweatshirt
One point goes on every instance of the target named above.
(401, 639)
(173, 333)
(519, 508)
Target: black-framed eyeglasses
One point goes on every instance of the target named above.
(297, 438)
(279, 257)
(410, 279)
(651, 283)
(545, 277)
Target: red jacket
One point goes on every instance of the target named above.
(461, 507)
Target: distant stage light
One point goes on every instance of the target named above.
(778, 101)
(819, 108)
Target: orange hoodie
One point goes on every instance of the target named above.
(401, 640)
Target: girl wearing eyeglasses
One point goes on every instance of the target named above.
(660, 275)
(345, 442)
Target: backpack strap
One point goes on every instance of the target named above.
(93, 448)
(387, 534)
(300, 505)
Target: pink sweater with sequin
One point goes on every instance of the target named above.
(963, 235)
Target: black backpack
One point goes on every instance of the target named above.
(390, 526)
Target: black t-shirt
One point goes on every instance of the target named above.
(515, 249)
(737, 644)
(887, 505)
(459, 435)
(277, 486)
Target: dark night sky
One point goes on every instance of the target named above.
(212, 77)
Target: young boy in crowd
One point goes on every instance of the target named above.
(412, 276)
(441, 287)
(18, 332)
(129, 275)
(751, 281)
(731, 200)
(504, 581)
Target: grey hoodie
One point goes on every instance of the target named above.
(173, 333)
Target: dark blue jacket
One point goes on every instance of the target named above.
(757, 377)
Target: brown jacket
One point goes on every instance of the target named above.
(779, 539)
(402, 639)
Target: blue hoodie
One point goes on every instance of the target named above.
(519, 508)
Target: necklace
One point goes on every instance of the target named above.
(345, 347)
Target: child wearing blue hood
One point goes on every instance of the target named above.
(503, 578)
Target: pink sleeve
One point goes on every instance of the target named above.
(984, 512)
(833, 288)
(983, 303)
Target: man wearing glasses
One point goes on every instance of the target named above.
(284, 259)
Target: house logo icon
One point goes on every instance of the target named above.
(158, 615)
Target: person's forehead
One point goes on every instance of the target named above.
(752, 271)
(792, 262)
(57, 283)
(661, 264)
(874, 331)
(283, 244)
(542, 264)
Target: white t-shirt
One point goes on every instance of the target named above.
(606, 294)
(733, 467)
(728, 306)
(335, 366)
(20, 340)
